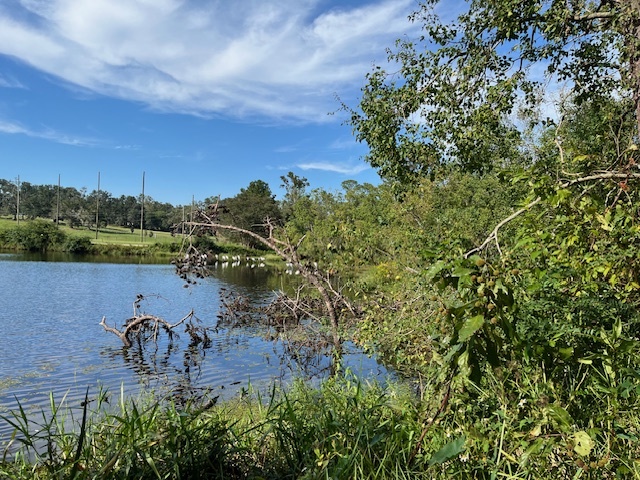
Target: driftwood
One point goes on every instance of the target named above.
(141, 326)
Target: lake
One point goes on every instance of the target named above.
(51, 340)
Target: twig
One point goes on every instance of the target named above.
(443, 405)
(494, 233)
(493, 236)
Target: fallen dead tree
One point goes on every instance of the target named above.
(142, 327)
(206, 220)
(282, 311)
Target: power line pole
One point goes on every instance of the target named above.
(142, 213)
(18, 200)
(58, 204)
(97, 204)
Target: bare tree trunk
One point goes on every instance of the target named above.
(630, 30)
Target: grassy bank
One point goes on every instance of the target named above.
(345, 429)
(43, 235)
(109, 235)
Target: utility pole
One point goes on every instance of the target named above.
(142, 213)
(58, 204)
(97, 204)
(18, 200)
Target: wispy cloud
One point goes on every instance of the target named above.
(287, 149)
(277, 59)
(14, 128)
(127, 147)
(10, 82)
(337, 167)
(343, 143)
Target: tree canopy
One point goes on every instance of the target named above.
(453, 97)
(250, 208)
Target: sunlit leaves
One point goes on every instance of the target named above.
(452, 98)
(469, 327)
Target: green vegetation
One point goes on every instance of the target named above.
(45, 236)
(344, 429)
(497, 264)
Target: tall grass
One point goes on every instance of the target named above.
(342, 429)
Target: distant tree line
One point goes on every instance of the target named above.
(78, 208)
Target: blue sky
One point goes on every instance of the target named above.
(204, 96)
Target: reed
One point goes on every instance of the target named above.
(343, 428)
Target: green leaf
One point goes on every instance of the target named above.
(566, 353)
(627, 346)
(435, 269)
(583, 443)
(471, 326)
(559, 416)
(461, 271)
(449, 451)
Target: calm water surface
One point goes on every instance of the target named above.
(51, 340)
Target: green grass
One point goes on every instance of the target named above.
(6, 223)
(110, 235)
(344, 429)
(123, 236)
(341, 429)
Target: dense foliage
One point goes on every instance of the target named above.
(42, 236)
(498, 262)
(249, 209)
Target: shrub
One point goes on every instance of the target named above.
(38, 235)
(77, 245)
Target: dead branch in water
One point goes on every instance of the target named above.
(142, 326)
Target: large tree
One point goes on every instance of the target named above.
(294, 191)
(458, 84)
(250, 208)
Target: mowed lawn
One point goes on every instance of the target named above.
(108, 235)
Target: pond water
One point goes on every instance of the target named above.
(51, 340)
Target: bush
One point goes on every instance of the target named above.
(77, 245)
(38, 236)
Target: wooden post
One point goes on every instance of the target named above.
(97, 205)
(142, 213)
(58, 204)
(18, 201)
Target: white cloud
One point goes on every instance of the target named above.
(334, 167)
(14, 128)
(280, 59)
(343, 143)
(287, 149)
